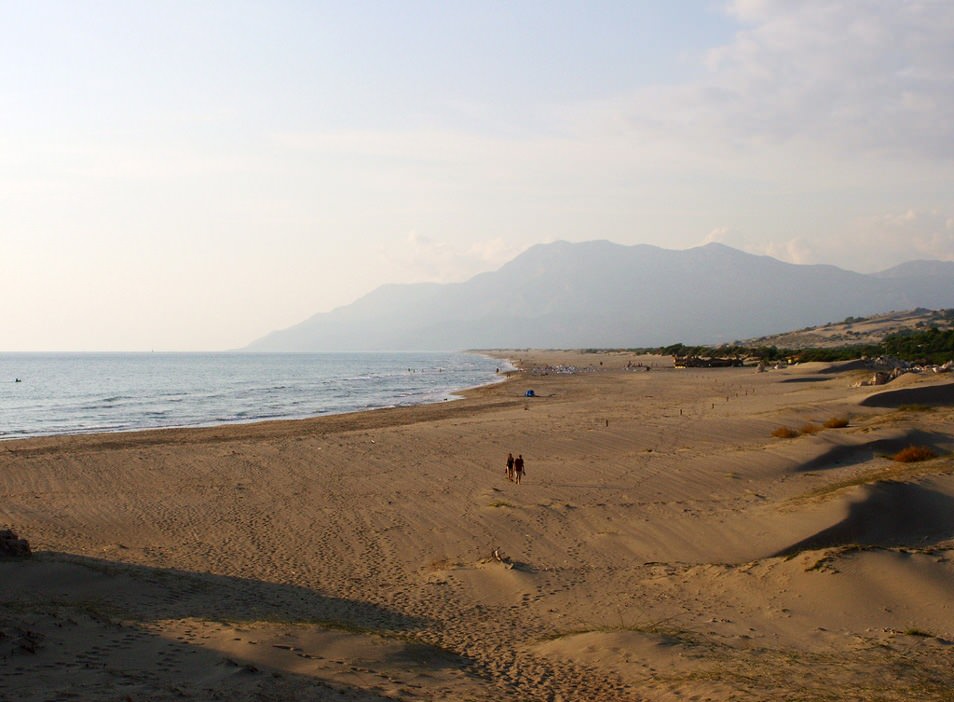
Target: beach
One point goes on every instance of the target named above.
(663, 545)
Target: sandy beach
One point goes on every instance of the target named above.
(664, 545)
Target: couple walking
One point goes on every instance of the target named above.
(515, 469)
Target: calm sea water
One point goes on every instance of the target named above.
(104, 392)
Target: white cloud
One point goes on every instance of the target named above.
(422, 258)
(751, 10)
(795, 250)
(866, 245)
(887, 239)
(844, 76)
(813, 111)
(719, 235)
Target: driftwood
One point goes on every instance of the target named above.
(501, 557)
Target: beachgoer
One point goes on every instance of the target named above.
(518, 470)
(510, 466)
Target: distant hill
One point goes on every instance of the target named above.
(918, 269)
(600, 294)
(853, 331)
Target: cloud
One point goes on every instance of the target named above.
(812, 111)
(884, 240)
(719, 235)
(795, 250)
(845, 76)
(866, 245)
(422, 258)
(873, 77)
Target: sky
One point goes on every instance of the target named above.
(191, 175)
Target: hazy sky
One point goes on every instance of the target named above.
(192, 175)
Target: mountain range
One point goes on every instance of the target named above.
(599, 294)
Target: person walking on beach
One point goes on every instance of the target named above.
(518, 470)
(510, 467)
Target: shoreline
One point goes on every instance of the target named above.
(428, 396)
(336, 420)
(384, 554)
(469, 400)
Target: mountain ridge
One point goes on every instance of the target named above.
(602, 294)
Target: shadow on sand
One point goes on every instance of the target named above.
(932, 395)
(889, 515)
(842, 455)
(97, 629)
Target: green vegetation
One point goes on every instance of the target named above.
(769, 354)
(932, 346)
(848, 352)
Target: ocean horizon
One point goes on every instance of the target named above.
(45, 394)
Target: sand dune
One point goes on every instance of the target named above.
(931, 394)
(888, 514)
(863, 451)
(663, 546)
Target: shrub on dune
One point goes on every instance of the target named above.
(836, 422)
(784, 433)
(912, 454)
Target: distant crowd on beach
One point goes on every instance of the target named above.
(515, 468)
(560, 370)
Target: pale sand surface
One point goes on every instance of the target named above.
(663, 546)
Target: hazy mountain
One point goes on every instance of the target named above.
(600, 294)
(919, 269)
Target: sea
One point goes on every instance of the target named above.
(73, 393)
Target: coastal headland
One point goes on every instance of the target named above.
(680, 534)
